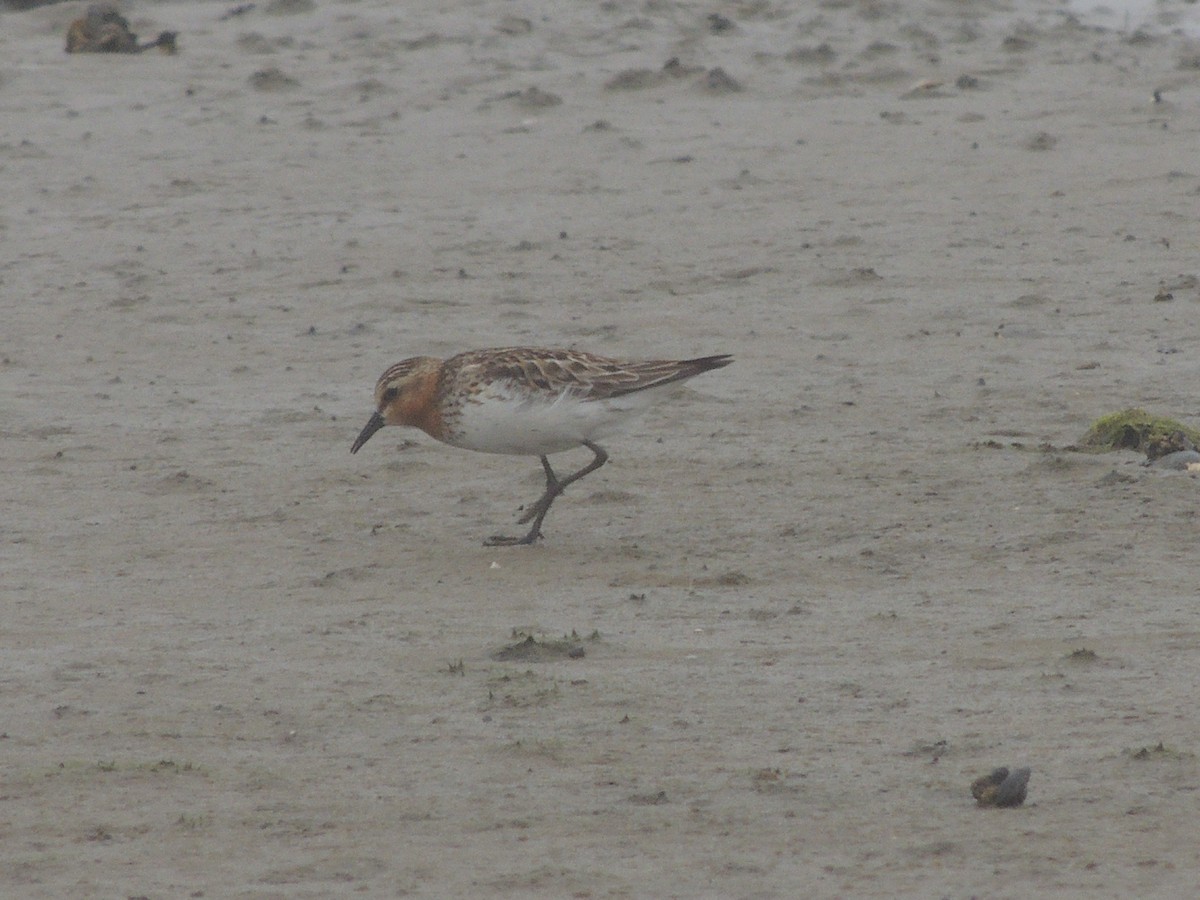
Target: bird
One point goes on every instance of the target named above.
(526, 401)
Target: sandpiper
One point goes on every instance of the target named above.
(526, 401)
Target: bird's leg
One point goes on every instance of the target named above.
(537, 512)
(538, 509)
(554, 486)
(553, 489)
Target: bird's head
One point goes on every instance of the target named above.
(406, 394)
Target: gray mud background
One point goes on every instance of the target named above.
(816, 597)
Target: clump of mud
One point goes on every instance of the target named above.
(527, 648)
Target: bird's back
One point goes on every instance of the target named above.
(536, 402)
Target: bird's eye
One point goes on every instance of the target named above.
(390, 394)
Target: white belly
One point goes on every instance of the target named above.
(504, 421)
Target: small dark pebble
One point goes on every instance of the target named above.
(1001, 788)
(718, 23)
(718, 81)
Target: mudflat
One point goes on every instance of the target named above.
(767, 649)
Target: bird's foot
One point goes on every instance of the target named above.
(500, 540)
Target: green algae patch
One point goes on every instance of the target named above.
(1133, 429)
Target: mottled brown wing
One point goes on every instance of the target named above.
(654, 373)
(594, 377)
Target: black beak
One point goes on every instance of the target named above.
(373, 425)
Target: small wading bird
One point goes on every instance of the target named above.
(525, 401)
